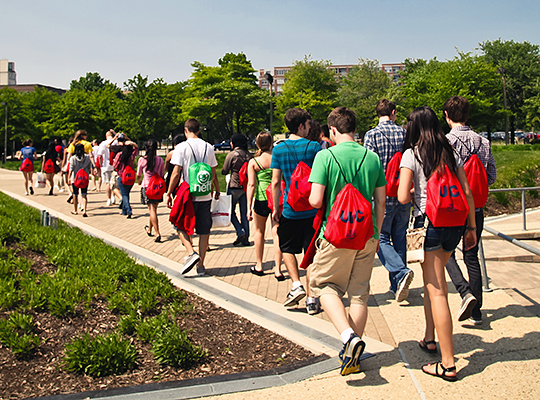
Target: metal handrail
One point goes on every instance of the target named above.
(522, 190)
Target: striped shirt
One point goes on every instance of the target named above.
(466, 142)
(285, 157)
(386, 139)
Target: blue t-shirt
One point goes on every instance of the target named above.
(285, 157)
(28, 152)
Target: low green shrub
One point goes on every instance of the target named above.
(151, 328)
(174, 348)
(101, 356)
(16, 333)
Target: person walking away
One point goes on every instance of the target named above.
(386, 140)
(295, 228)
(466, 142)
(80, 138)
(149, 165)
(96, 179)
(60, 150)
(259, 178)
(79, 161)
(186, 154)
(233, 163)
(337, 270)
(50, 159)
(65, 170)
(104, 154)
(168, 166)
(27, 156)
(427, 153)
(124, 165)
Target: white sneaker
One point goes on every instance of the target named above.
(189, 262)
(56, 187)
(108, 202)
(113, 200)
(26, 193)
(61, 190)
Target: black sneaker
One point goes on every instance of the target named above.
(349, 356)
(31, 190)
(295, 296)
(313, 308)
(467, 305)
(239, 240)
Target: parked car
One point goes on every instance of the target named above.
(225, 145)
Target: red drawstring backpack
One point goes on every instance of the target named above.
(98, 162)
(300, 188)
(156, 188)
(128, 176)
(446, 203)
(269, 197)
(243, 176)
(27, 165)
(392, 171)
(350, 222)
(48, 167)
(477, 177)
(81, 179)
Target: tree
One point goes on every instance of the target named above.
(90, 83)
(19, 124)
(431, 83)
(146, 111)
(38, 105)
(226, 98)
(361, 89)
(519, 65)
(310, 85)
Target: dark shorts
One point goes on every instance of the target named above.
(203, 217)
(145, 200)
(446, 238)
(84, 191)
(261, 208)
(295, 234)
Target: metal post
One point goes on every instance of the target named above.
(485, 279)
(523, 210)
(5, 137)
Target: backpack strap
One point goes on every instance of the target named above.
(194, 156)
(261, 168)
(341, 170)
(467, 147)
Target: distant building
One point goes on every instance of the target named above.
(8, 76)
(278, 73)
(32, 88)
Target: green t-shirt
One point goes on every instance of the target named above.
(365, 177)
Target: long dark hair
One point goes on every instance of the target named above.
(151, 148)
(79, 151)
(428, 141)
(127, 150)
(51, 153)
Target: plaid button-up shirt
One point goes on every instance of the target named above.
(466, 142)
(386, 139)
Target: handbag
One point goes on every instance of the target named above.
(415, 240)
(221, 211)
(40, 180)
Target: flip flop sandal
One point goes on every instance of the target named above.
(424, 346)
(279, 278)
(442, 374)
(255, 272)
(146, 230)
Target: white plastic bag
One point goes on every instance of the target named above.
(221, 211)
(40, 180)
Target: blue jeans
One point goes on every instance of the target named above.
(239, 197)
(124, 191)
(393, 242)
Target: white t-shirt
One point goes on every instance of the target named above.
(409, 161)
(190, 152)
(104, 151)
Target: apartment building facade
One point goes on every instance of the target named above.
(8, 76)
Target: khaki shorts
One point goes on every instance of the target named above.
(339, 271)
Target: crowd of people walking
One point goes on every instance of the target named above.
(327, 197)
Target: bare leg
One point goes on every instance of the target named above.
(358, 314)
(437, 289)
(75, 204)
(334, 308)
(25, 175)
(203, 247)
(292, 266)
(278, 257)
(84, 203)
(152, 209)
(186, 241)
(260, 228)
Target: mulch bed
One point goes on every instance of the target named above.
(234, 345)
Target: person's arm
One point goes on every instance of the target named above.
(227, 164)
(168, 161)
(252, 181)
(276, 194)
(42, 162)
(404, 193)
(316, 197)
(379, 197)
(175, 178)
(469, 239)
(215, 182)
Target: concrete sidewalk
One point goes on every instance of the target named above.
(500, 359)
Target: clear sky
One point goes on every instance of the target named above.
(55, 41)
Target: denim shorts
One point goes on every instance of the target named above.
(446, 238)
